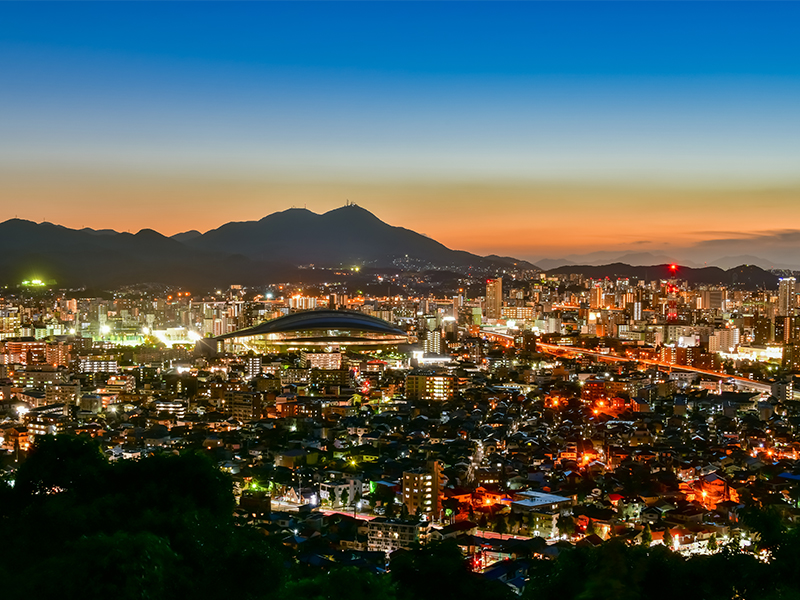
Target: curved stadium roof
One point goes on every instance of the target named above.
(323, 324)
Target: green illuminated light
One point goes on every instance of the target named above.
(37, 283)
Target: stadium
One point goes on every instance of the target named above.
(313, 329)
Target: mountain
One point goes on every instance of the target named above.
(727, 262)
(349, 235)
(605, 257)
(186, 235)
(745, 276)
(99, 231)
(552, 263)
(79, 257)
(251, 253)
(643, 259)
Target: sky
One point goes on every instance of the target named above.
(532, 129)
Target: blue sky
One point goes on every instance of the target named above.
(664, 94)
(447, 38)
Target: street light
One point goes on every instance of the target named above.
(356, 507)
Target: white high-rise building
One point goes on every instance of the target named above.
(723, 340)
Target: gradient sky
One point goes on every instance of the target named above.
(533, 129)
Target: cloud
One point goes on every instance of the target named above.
(779, 237)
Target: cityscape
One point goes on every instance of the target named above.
(280, 391)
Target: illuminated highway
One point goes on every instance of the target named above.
(556, 350)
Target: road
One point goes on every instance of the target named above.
(555, 349)
(491, 535)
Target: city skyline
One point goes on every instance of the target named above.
(400, 300)
(668, 123)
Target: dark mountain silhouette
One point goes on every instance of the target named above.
(340, 237)
(251, 253)
(748, 277)
(186, 235)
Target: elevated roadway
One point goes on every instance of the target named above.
(557, 350)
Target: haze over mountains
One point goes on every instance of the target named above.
(290, 245)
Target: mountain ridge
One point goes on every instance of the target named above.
(746, 276)
(250, 252)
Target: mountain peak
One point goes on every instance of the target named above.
(352, 212)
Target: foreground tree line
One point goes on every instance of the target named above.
(74, 525)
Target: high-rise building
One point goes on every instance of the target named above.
(637, 311)
(782, 389)
(723, 340)
(596, 297)
(494, 298)
(252, 366)
(713, 299)
(791, 357)
(422, 490)
(388, 535)
(786, 295)
(326, 361)
(762, 330)
(432, 343)
(430, 386)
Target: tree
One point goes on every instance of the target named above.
(332, 496)
(565, 525)
(390, 507)
(438, 571)
(345, 499)
(712, 545)
(647, 536)
(515, 522)
(61, 464)
(767, 524)
(159, 527)
(531, 523)
(450, 506)
(123, 565)
(668, 539)
(500, 525)
(590, 528)
(360, 585)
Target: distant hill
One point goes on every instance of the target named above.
(251, 253)
(745, 276)
(186, 235)
(343, 236)
(605, 257)
(727, 262)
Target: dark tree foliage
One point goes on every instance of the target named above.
(348, 582)
(439, 572)
(159, 527)
(62, 464)
(616, 570)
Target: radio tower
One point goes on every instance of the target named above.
(672, 295)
